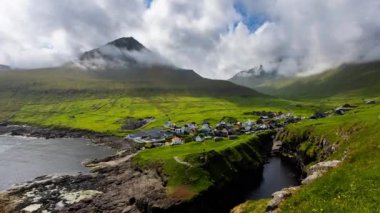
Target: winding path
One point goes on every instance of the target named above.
(176, 158)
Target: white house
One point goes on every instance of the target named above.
(179, 131)
(206, 128)
(185, 129)
(169, 124)
(248, 125)
(199, 138)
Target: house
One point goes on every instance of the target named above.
(179, 131)
(263, 127)
(206, 128)
(176, 141)
(193, 126)
(199, 138)
(282, 116)
(224, 125)
(225, 132)
(221, 124)
(186, 129)
(149, 136)
(248, 125)
(292, 120)
(169, 124)
(342, 110)
(370, 102)
(318, 115)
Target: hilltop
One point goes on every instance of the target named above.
(357, 80)
(122, 52)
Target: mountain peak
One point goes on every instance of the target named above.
(120, 53)
(128, 43)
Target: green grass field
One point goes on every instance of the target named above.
(189, 181)
(355, 185)
(101, 114)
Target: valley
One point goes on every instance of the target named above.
(109, 104)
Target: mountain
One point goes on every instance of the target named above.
(121, 52)
(254, 77)
(359, 80)
(4, 67)
(122, 73)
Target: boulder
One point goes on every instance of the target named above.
(280, 196)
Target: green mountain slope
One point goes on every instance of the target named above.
(97, 100)
(123, 66)
(96, 97)
(358, 80)
(70, 82)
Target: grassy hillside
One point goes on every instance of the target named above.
(71, 82)
(353, 186)
(358, 80)
(210, 164)
(102, 114)
(97, 100)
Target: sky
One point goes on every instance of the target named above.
(216, 38)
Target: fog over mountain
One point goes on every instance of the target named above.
(216, 38)
(122, 52)
(255, 77)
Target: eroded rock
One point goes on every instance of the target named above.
(75, 197)
(31, 208)
(319, 169)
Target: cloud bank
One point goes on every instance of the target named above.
(216, 38)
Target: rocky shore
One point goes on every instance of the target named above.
(113, 186)
(15, 129)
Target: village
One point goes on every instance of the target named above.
(228, 128)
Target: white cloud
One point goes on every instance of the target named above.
(315, 35)
(208, 36)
